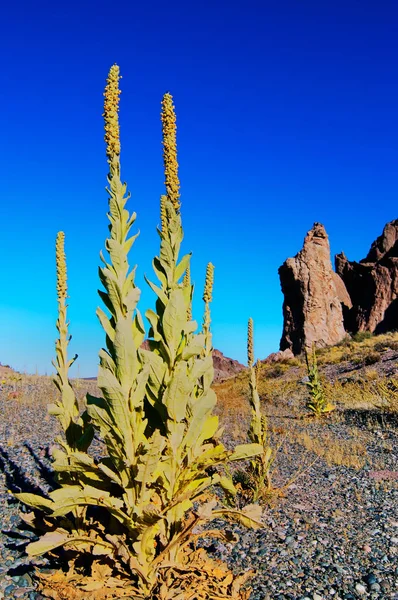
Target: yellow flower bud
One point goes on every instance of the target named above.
(169, 128)
(111, 110)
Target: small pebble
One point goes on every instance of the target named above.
(361, 589)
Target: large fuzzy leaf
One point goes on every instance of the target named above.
(125, 352)
(249, 516)
(201, 410)
(60, 537)
(174, 320)
(177, 393)
(181, 267)
(148, 462)
(118, 407)
(98, 411)
(36, 501)
(243, 451)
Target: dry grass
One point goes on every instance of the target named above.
(371, 392)
(334, 451)
(363, 348)
(40, 389)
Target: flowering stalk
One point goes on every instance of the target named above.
(163, 212)
(66, 409)
(169, 129)
(258, 432)
(207, 298)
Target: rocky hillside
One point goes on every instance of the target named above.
(225, 367)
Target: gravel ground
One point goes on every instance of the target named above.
(333, 535)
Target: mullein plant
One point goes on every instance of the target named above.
(317, 403)
(66, 409)
(128, 521)
(261, 464)
(77, 431)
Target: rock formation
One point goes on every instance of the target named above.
(313, 296)
(373, 285)
(281, 355)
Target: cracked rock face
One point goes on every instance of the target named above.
(313, 296)
(372, 284)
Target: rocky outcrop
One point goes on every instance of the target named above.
(275, 357)
(313, 296)
(372, 285)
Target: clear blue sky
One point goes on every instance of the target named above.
(287, 114)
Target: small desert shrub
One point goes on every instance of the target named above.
(318, 402)
(371, 375)
(361, 336)
(344, 342)
(366, 359)
(277, 371)
(371, 358)
(332, 355)
(386, 344)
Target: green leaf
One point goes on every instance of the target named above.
(194, 348)
(125, 352)
(153, 319)
(243, 451)
(36, 501)
(106, 324)
(177, 392)
(200, 367)
(249, 516)
(138, 330)
(157, 370)
(117, 407)
(160, 271)
(102, 420)
(160, 294)
(182, 267)
(49, 541)
(201, 409)
(227, 485)
(174, 320)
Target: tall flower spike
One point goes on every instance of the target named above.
(207, 298)
(66, 409)
(169, 130)
(60, 260)
(250, 346)
(163, 213)
(208, 291)
(111, 113)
